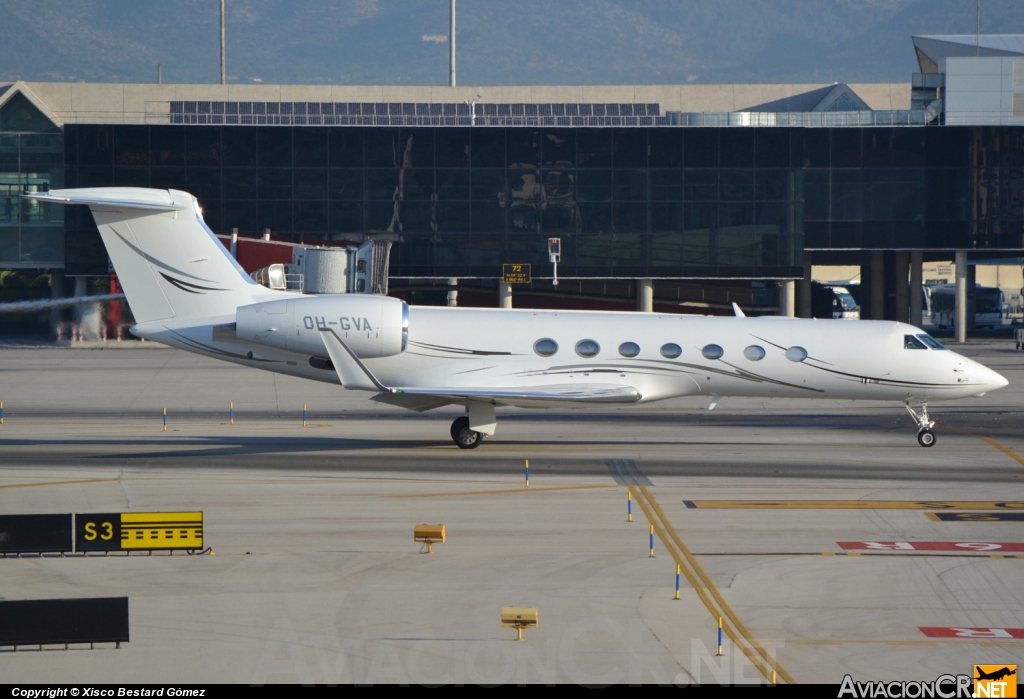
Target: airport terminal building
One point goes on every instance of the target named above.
(734, 187)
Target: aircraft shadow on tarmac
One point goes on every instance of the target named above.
(570, 457)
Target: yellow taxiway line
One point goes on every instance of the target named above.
(1000, 447)
(705, 588)
(502, 492)
(851, 505)
(82, 480)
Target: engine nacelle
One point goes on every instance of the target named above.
(372, 326)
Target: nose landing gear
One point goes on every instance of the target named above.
(918, 409)
(463, 436)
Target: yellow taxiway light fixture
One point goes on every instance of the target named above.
(519, 618)
(429, 534)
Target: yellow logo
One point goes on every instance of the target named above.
(995, 681)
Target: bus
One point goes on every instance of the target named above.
(988, 307)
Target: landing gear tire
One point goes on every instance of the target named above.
(918, 409)
(463, 436)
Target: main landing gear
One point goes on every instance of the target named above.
(464, 437)
(918, 409)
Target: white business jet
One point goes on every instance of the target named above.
(187, 291)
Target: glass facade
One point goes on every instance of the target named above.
(31, 160)
(657, 202)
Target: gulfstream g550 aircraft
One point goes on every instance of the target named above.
(186, 291)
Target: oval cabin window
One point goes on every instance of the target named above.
(712, 352)
(545, 347)
(587, 348)
(629, 349)
(754, 353)
(796, 354)
(671, 350)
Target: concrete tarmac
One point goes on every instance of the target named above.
(317, 579)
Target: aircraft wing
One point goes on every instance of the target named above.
(354, 374)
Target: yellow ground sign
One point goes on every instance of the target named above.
(116, 531)
(148, 530)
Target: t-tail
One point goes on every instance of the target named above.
(169, 263)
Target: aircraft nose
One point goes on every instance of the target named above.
(994, 380)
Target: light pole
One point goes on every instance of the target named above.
(472, 107)
(451, 49)
(223, 52)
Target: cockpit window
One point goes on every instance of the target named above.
(911, 342)
(931, 342)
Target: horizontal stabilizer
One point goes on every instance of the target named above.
(113, 197)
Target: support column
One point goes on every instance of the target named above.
(453, 294)
(900, 278)
(916, 288)
(56, 292)
(804, 298)
(787, 298)
(504, 295)
(972, 300)
(864, 292)
(960, 309)
(877, 285)
(645, 295)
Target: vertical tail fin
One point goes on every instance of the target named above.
(167, 260)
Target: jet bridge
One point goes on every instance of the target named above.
(314, 269)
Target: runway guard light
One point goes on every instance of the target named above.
(519, 618)
(429, 534)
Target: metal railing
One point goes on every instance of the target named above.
(889, 117)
